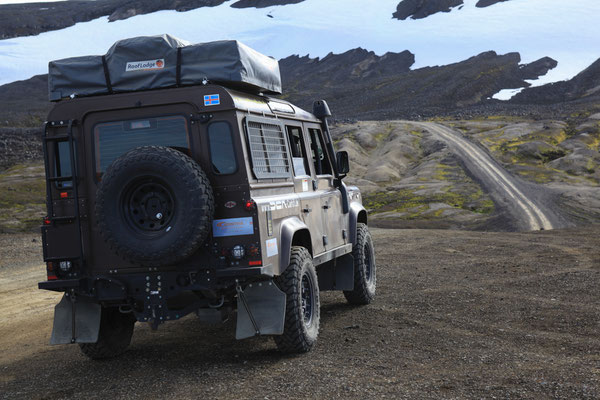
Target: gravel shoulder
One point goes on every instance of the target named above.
(458, 314)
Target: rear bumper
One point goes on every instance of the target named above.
(121, 286)
(148, 294)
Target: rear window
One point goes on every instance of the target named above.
(222, 153)
(114, 139)
(63, 164)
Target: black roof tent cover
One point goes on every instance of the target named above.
(152, 62)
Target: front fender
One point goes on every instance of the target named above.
(357, 213)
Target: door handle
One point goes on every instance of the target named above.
(306, 210)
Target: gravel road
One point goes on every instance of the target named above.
(505, 189)
(458, 315)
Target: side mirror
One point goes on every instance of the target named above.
(343, 163)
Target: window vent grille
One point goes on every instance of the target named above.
(268, 150)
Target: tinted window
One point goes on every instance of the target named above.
(63, 164)
(319, 155)
(116, 138)
(297, 150)
(221, 148)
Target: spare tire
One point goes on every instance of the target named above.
(154, 206)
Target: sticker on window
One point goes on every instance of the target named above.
(212, 100)
(233, 227)
(272, 247)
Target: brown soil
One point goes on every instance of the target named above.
(458, 315)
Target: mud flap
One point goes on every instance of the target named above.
(337, 274)
(75, 322)
(260, 310)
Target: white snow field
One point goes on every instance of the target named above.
(567, 31)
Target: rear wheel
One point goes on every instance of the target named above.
(365, 268)
(302, 313)
(116, 330)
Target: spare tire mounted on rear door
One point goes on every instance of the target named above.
(154, 206)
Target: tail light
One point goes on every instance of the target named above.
(50, 271)
(249, 205)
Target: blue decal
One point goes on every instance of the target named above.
(212, 100)
(233, 227)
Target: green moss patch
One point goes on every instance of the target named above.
(22, 199)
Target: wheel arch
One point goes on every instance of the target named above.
(358, 214)
(294, 232)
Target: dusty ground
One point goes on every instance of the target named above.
(458, 315)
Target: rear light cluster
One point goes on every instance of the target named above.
(239, 252)
(55, 269)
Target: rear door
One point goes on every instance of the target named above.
(108, 135)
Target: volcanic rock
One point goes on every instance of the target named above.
(417, 9)
(263, 3)
(584, 86)
(487, 3)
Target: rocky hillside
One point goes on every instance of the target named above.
(410, 179)
(361, 85)
(33, 18)
(26, 19)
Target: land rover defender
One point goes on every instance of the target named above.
(181, 185)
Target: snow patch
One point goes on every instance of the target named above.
(507, 94)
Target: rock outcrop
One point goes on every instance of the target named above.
(417, 9)
(487, 3)
(263, 3)
(584, 86)
(538, 68)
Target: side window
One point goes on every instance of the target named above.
(268, 149)
(114, 139)
(222, 154)
(297, 150)
(63, 164)
(318, 153)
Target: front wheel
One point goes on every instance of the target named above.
(302, 312)
(116, 330)
(365, 268)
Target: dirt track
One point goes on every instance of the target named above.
(500, 184)
(458, 314)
